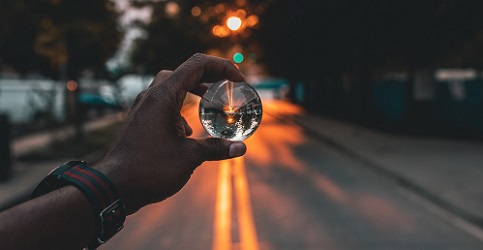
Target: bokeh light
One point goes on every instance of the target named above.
(220, 31)
(72, 85)
(234, 23)
(172, 9)
(238, 57)
(196, 11)
(252, 20)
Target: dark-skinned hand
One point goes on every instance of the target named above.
(153, 158)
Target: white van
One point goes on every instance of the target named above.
(32, 101)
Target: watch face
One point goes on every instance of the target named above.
(112, 218)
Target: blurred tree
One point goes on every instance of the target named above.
(80, 33)
(180, 28)
(17, 36)
(172, 36)
(70, 35)
(74, 35)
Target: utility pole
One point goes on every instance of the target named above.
(5, 151)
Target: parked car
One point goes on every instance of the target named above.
(100, 100)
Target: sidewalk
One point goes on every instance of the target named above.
(447, 172)
(26, 175)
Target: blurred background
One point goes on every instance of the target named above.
(372, 128)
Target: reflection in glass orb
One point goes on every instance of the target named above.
(230, 110)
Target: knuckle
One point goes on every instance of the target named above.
(160, 77)
(155, 94)
(142, 93)
(163, 74)
(139, 97)
(198, 60)
(198, 56)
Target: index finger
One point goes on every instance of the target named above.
(188, 75)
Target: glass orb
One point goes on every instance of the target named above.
(230, 110)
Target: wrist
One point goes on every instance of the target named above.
(113, 170)
(102, 194)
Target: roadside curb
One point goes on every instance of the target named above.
(24, 185)
(28, 143)
(28, 174)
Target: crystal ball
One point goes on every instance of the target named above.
(230, 110)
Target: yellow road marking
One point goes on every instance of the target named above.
(222, 226)
(248, 234)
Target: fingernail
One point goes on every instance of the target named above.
(237, 149)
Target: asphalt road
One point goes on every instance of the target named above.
(290, 191)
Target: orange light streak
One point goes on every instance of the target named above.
(229, 110)
(273, 144)
(329, 188)
(229, 95)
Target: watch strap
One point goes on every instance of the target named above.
(98, 189)
(109, 209)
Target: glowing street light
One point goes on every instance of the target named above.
(234, 23)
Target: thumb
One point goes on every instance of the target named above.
(213, 149)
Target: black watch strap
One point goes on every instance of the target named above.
(109, 210)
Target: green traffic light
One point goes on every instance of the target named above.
(238, 57)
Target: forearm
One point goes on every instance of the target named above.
(61, 219)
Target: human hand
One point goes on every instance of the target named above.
(152, 158)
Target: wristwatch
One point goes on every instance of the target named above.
(109, 209)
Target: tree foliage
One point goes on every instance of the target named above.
(169, 41)
(172, 38)
(47, 35)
